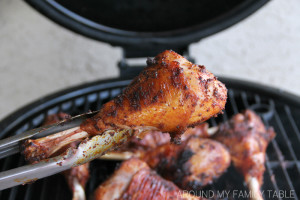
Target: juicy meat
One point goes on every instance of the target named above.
(191, 165)
(197, 131)
(156, 138)
(114, 187)
(247, 138)
(170, 95)
(153, 187)
(150, 141)
(134, 180)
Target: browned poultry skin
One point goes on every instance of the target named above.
(150, 141)
(170, 94)
(147, 185)
(134, 180)
(247, 139)
(197, 131)
(114, 187)
(191, 165)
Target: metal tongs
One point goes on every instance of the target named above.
(88, 150)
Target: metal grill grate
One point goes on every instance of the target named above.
(283, 154)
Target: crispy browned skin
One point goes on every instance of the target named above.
(170, 94)
(197, 131)
(191, 165)
(150, 141)
(114, 187)
(134, 180)
(247, 139)
(147, 185)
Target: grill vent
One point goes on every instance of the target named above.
(282, 161)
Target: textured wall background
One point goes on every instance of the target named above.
(38, 57)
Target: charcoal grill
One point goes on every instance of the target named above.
(283, 154)
(277, 108)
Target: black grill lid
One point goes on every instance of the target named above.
(147, 23)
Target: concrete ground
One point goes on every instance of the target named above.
(38, 57)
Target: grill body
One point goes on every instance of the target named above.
(283, 154)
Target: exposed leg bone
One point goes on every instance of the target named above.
(78, 191)
(254, 188)
(118, 155)
(87, 150)
(77, 178)
(39, 149)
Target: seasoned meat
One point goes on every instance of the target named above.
(191, 165)
(156, 138)
(169, 95)
(134, 180)
(247, 138)
(114, 187)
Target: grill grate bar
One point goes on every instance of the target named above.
(287, 163)
(292, 121)
(224, 116)
(283, 167)
(213, 122)
(245, 99)
(60, 108)
(281, 160)
(271, 175)
(13, 193)
(287, 140)
(278, 152)
(73, 107)
(44, 189)
(98, 102)
(257, 98)
(58, 189)
(14, 190)
(232, 102)
(5, 166)
(28, 192)
(86, 103)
